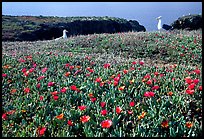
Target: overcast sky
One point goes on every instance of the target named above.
(144, 12)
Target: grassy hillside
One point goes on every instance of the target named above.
(133, 84)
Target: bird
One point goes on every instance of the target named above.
(64, 36)
(164, 26)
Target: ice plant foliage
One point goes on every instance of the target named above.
(144, 85)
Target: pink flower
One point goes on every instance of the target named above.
(70, 123)
(41, 131)
(106, 123)
(98, 80)
(34, 65)
(93, 99)
(67, 65)
(141, 62)
(40, 78)
(196, 81)
(21, 60)
(134, 62)
(4, 116)
(107, 65)
(31, 70)
(63, 90)
(104, 112)
(44, 70)
(103, 104)
(200, 88)
(51, 84)
(155, 87)
(4, 74)
(197, 71)
(27, 90)
(149, 94)
(191, 86)
(24, 70)
(38, 85)
(125, 71)
(149, 82)
(41, 98)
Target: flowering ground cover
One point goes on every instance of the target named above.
(104, 85)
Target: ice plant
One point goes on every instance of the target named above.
(73, 88)
(41, 131)
(60, 117)
(132, 104)
(4, 116)
(84, 118)
(121, 88)
(107, 65)
(102, 104)
(165, 124)
(149, 94)
(44, 70)
(104, 112)
(27, 90)
(106, 124)
(82, 107)
(50, 84)
(118, 110)
(189, 124)
(70, 123)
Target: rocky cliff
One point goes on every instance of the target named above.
(189, 22)
(32, 28)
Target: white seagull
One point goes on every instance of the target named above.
(64, 35)
(164, 26)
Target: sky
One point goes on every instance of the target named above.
(143, 12)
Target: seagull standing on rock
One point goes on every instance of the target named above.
(164, 26)
(64, 35)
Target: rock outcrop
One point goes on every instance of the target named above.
(32, 28)
(189, 22)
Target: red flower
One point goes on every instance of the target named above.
(121, 88)
(82, 107)
(40, 78)
(200, 88)
(141, 62)
(125, 71)
(104, 112)
(156, 73)
(41, 98)
(55, 97)
(34, 65)
(63, 90)
(70, 123)
(118, 110)
(149, 94)
(27, 90)
(44, 70)
(188, 80)
(67, 65)
(71, 67)
(60, 117)
(147, 76)
(134, 62)
(54, 93)
(84, 119)
(24, 70)
(21, 60)
(197, 71)
(132, 104)
(191, 86)
(106, 123)
(31, 70)
(196, 81)
(155, 87)
(41, 131)
(149, 82)
(98, 80)
(93, 99)
(101, 84)
(107, 65)
(4, 116)
(115, 83)
(50, 83)
(190, 92)
(73, 88)
(103, 104)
